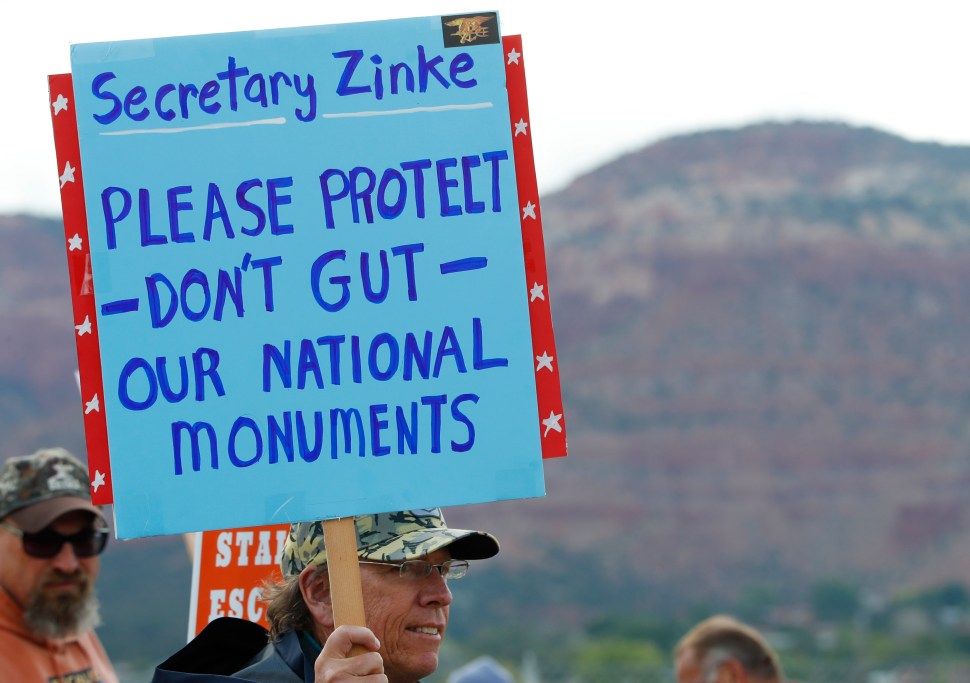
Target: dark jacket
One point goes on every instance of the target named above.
(230, 649)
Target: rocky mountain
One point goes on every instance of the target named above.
(38, 392)
(762, 338)
(761, 334)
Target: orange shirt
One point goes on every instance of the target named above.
(25, 658)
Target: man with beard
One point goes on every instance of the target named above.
(50, 539)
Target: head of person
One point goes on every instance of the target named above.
(722, 649)
(51, 537)
(406, 560)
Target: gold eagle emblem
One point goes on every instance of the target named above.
(469, 29)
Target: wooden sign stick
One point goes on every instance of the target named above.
(347, 598)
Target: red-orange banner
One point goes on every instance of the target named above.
(229, 569)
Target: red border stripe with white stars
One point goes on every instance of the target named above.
(66, 145)
(552, 422)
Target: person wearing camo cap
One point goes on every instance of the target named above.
(406, 560)
(51, 537)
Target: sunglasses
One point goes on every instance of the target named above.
(48, 543)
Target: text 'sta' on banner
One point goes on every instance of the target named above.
(229, 568)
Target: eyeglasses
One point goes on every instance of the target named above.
(48, 543)
(419, 569)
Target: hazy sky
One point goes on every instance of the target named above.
(604, 78)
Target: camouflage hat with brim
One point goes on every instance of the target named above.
(36, 489)
(388, 537)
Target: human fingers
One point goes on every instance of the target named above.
(351, 652)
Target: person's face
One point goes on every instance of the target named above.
(53, 586)
(409, 617)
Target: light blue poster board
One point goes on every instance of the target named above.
(308, 266)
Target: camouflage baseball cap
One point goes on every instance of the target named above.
(388, 536)
(36, 489)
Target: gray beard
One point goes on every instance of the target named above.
(61, 616)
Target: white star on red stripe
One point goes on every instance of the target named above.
(552, 423)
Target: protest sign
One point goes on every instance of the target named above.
(229, 568)
(306, 249)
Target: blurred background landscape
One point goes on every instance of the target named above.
(762, 337)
